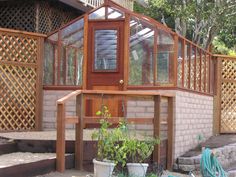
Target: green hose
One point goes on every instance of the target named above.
(210, 166)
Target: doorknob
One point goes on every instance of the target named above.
(121, 82)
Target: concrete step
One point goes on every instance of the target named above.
(25, 164)
(232, 173)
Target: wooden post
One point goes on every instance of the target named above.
(85, 52)
(126, 49)
(157, 128)
(175, 66)
(170, 145)
(79, 133)
(60, 145)
(217, 98)
(39, 84)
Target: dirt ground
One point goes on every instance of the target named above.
(74, 173)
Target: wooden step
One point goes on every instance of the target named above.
(30, 164)
(7, 146)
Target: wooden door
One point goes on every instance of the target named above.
(105, 62)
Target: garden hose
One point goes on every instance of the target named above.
(210, 166)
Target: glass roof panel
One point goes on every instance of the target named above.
(98, 14)
(72, 28)
(114, 13)
(53, 37)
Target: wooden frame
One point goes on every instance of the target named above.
(79, 120)
(155, 26)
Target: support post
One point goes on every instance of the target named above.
(79, 133)
(217, 97)
(170, 145)
(60, 145)
(157, 128)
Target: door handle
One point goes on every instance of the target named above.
(121, 82)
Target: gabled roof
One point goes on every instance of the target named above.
(150, 21)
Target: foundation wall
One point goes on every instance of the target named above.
(193, 115)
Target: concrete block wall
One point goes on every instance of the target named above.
(193, 114)
(50, 98)
(193, 117)
(145, 109)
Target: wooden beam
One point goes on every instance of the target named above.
(170, 145)
(60, 144)
(79, 145)
(39, 85)
(157, 128)
(126, 50)
(85, 61)
(217, 98)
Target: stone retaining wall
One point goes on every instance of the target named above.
(226, 156)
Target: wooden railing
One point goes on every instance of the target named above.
(96, 3)
(80, 120)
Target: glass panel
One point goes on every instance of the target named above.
(114, 13)
(49, 58)
(98, 14)
(180, 61)
(73, 28)
(192, 67)
(186, 65)
(53, 37)
(165, 57)
(105, 50)
(70, 75)
(141, 53)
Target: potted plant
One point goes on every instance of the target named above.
(137, 151)
(108, 153)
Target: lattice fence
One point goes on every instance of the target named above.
(35, 16)
(228, 96)
(19, 56)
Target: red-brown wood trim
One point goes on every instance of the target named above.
(183, 61)
(205, 72)
(189, 67)
(200, 80)
(175, 71)
(209, 75)
(126, 50)
(23, 33)
(61, 87)
(85, 61)
(39, 89)
(195, 68)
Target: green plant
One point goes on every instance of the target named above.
(138, 151)
(108, 139)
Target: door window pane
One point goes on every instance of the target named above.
(105, 50)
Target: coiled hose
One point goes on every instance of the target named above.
(210, 166)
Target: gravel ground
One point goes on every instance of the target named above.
(74, 173)
(17, 158)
